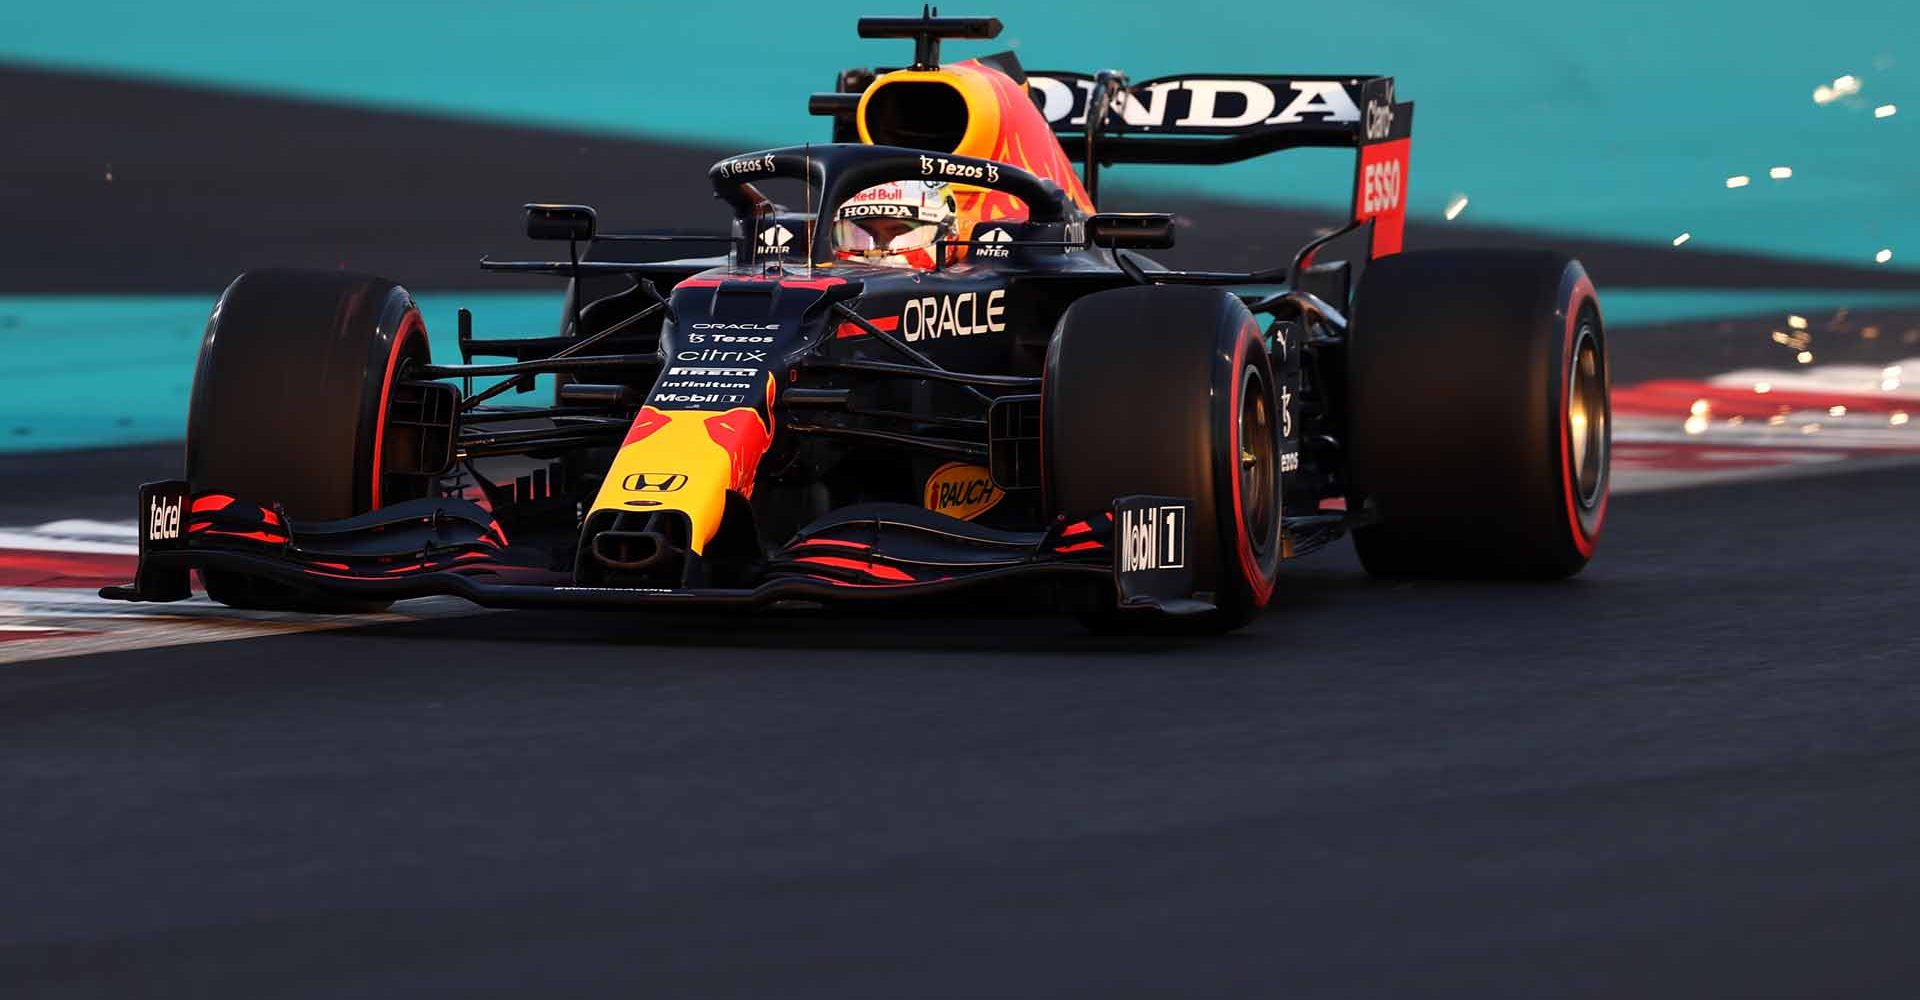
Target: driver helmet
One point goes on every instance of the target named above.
(895, 225)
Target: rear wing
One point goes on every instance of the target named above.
(1225, 119)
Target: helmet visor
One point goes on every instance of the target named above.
(880, 237)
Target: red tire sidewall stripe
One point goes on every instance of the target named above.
(1582, 539)
(409, 325)
(1257, 581)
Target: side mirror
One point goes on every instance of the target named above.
(560, 222)
(833, 105)
(1131, 230)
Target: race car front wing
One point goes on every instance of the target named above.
(453, 547)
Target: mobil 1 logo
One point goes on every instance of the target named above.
(1150, 537)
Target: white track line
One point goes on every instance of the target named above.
(81, 622)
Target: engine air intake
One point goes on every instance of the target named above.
(917, 114)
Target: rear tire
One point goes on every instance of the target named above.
(1163, 390)
(1479, 416)
(289, 407)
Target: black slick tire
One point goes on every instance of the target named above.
(289, 406)
(1479, 419)
(1150, 390)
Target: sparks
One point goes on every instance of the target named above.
(1885, 111)
(1780, 173)
(1842, 86)
(1739, 181)
(1457, 205)
(1885, 254)
(1682, 238)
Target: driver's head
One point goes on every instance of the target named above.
(895, 225)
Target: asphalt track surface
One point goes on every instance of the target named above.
(1689, 772)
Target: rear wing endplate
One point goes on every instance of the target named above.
(1225, 119)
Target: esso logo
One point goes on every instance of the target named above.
(1380, 187)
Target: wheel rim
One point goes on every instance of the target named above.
(1256, 459)
(1587, 418)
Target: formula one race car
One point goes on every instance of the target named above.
(944, 369)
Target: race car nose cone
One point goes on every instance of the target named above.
(634, 551)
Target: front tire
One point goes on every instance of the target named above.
(1168, 390)
(289, 406)
(1480, 419)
